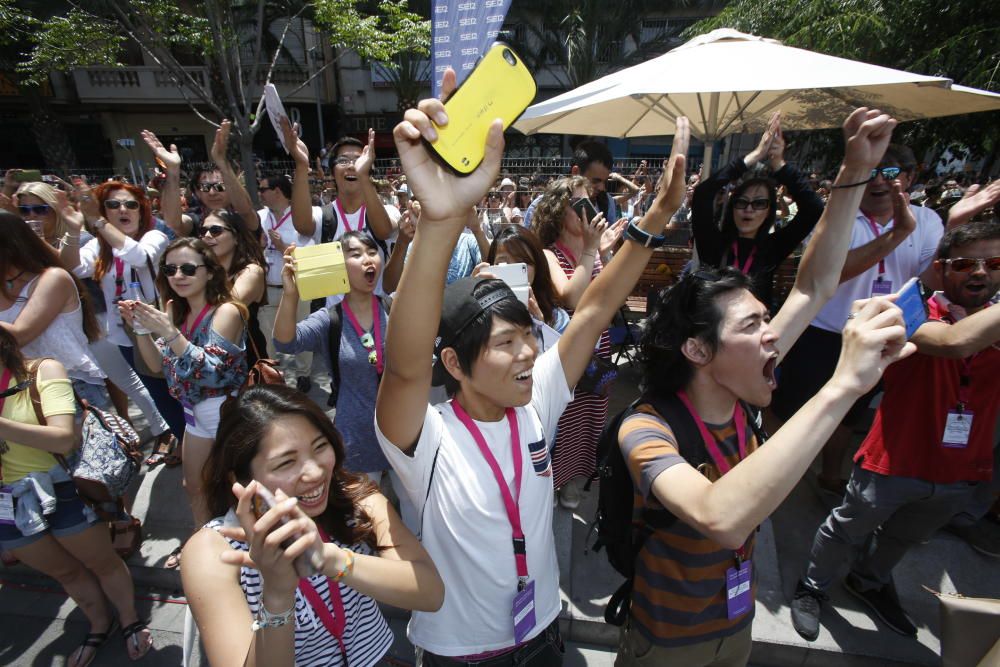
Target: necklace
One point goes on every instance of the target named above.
(10, 281)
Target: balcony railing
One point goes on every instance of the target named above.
(150, 85)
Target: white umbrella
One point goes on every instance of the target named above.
(728, 81)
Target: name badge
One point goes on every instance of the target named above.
(6, 507)
(523, 612)
(881, 287)
(738, 598)
(188, 413)
(957, 429)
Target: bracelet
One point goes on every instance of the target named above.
(172, 338)
(265, 619)
(850, 185)
(348, 565)
(70, 240)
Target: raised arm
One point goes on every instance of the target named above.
(302, 217)
(963, 339)
(975, 201)
(53, 290)
(867, 134)
(239, 198)
(612, 286)
(445, 198)
(397, 258)
(378, 218)
(170, 195)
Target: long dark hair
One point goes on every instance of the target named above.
(102, 193)
(23, 249)
(523, 245)
(685, 310)
(728, 221)
(247, 249)
(246, 420)
(218, 290)
(11, 357)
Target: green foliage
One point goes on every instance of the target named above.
(74, 40)
(958, 39)
(380, 35)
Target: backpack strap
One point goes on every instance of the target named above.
(334, 332)
(331, 222)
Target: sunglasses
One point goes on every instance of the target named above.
(208, 187)
(265, 188)
(34, 209)
(115, 204)
(187, 269)
(214, 230)
(888, 173)
(968, 264)
(741, 203)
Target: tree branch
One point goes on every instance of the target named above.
(270, 70)
(316, 74)
(258, 47)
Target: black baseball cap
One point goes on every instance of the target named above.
(458, 310)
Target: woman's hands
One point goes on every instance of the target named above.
(71, 216)
(444, 195)
(159, 323)
(763, 149)
(170, 159)
(611, 235)
(288, 283)
(593, 230)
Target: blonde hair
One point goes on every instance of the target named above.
(47, 194)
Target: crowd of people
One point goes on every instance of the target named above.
(472, 401)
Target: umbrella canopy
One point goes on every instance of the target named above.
(728, 81)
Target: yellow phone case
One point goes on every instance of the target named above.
(320, 271)
(499, 87)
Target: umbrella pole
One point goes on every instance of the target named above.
(706, 165)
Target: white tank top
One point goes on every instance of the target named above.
(64, 340)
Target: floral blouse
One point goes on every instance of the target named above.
(210, 366)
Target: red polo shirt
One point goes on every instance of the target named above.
(906, 438)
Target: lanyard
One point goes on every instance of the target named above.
(343, 214)
(194, 327)
(875, 231)
(509, 501)
(964, 373)
(376, 329)
(333, 622)
(745, 269)
(119, 277)
(566, 251)
(284, 219)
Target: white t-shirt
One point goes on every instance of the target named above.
(465, 526)
(908, 260)
(357, 223)
(288, 234)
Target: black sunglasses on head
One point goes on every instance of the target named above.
(34, 209)
(207, 187)
(170, 270)
(214, 230)
(115, 204)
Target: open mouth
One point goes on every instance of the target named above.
(523, 376)
(351, 178)
(975, 287)
(313, 497)
(370, 275)
(768, 372)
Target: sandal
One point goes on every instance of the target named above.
(173, 561)
(95, 640)
(165, 452)
(133, 647)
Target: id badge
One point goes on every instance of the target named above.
(738, 598)
(881, 287)
(188, 413)
(6, 508)
(524, 612)
(957, 429)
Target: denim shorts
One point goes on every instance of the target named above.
(70, 517)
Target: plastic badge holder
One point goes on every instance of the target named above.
(320, 271)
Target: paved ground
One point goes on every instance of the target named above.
(40, 627)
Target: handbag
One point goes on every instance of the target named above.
(599, 376)
(126, 535)
(264, 371)
(970, 630)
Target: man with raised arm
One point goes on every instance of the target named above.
(709, 352)
(477, 467)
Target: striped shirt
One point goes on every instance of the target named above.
(679, 592)
(367, 636)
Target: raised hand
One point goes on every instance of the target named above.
(169, 160)
(672, 185)
(975, 200)
(766, 139)
(288, 283)
(776, 153)
(902, 216)
(221, 143)
(73, 218)
(611, 235)
(297, 148)
(363, 165)
(874, 337)
(866, 135)
(445, 196)
(593, 230)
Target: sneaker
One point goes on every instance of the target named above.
(806, 607)
(303, 384)
(885, 603)
(569, 496)
(983, 536)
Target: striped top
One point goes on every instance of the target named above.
(367, 636)
(679, 592)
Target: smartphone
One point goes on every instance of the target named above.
(499, 87)
(911, 300)
(516, 277)
(307, 564)
(584, 208)
(28, 175)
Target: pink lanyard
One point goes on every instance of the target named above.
(343, 214)
(119, 277)
(283, 220)
(333, 622)
(745, 269)
(875, 231)
(564, 250)
(739, 423)
(509, 501)
(194, 327)
(376, 329)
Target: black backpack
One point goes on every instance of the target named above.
(336, 328)
(619, 531)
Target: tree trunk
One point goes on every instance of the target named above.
(49, 133)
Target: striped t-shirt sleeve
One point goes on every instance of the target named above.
(649, 448)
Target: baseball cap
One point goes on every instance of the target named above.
(403, 189)
(506, 182)
(458, 310)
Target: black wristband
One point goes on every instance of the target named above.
(643, 238)
(850, 185)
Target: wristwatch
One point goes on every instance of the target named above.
(643, 238)
(265, 619)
